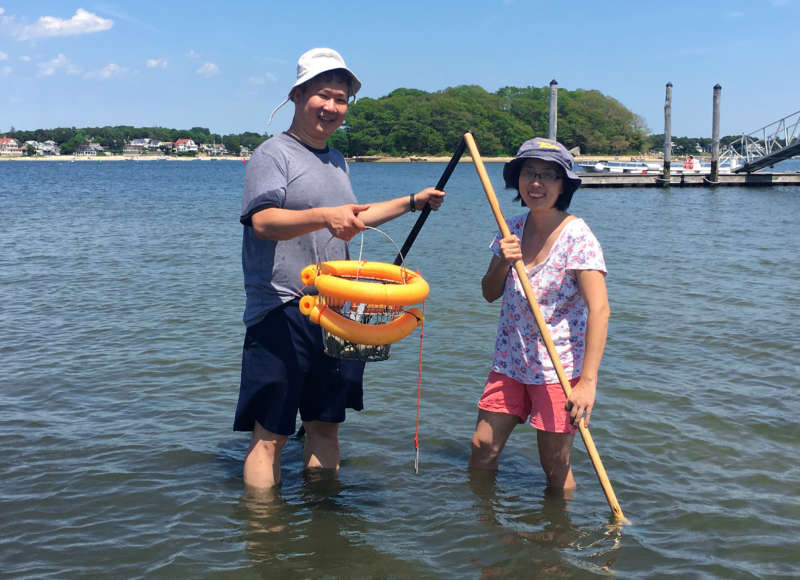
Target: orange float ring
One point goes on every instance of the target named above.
(371, 334)
(384, 288)
(329, 278)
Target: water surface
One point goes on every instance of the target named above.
(121, 338)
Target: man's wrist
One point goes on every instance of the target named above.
(411, 204)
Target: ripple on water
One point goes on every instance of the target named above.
(120, 359)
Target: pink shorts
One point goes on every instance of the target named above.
(544, 404)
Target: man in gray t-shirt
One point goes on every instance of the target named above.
(319, 178)
(297, 195)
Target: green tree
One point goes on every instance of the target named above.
(233, 144)
(78, 139)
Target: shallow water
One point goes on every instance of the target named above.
(121, 337)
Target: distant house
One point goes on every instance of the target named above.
(132, 149)
(9, 146)
(41, 149)
(49, 147)
(140, 146)
(213, 149)
(89, 149)
(185, 146)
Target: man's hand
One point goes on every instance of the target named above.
(431, 196)
(342, 221)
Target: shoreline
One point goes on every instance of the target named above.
(85, 158)
(358, 159)
(115, 158)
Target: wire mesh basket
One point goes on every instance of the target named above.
(362, 313)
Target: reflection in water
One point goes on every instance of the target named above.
(298, 538)
(538, 538)
(316, 533)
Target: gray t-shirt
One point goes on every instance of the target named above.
(287, 174)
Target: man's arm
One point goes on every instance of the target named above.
(384, 211)
(284, 224)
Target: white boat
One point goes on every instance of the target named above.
(703, 167)
(635, 167)
(686, 167)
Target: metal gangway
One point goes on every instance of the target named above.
(766, 146)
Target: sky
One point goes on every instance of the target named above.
(226, 65)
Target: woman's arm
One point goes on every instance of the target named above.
(592, 285)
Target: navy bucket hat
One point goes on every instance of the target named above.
(546, 150)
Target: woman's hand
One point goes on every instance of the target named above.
(581, 401)
(494, 281)
(510, 249)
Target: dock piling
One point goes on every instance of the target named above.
(667, 133)
(714, 177)
(552, 127)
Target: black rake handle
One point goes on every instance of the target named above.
(462, 145)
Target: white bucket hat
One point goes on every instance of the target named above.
(315, 62)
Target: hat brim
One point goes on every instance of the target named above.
(512, 168)
(334, 65)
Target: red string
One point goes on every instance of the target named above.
(419, 377)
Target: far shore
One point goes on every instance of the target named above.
(361, 159)
(96, 158)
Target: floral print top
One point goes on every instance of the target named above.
(520, 352)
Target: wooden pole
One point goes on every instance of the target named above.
(519, 266)
(552, 128)
(714, 177)
(667, 133)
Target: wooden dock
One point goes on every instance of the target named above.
(690, 180)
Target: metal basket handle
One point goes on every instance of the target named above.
(361, 248)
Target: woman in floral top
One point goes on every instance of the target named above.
(567, 271)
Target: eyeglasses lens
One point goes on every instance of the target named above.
(545, 177)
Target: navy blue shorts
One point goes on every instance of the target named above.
(285, 370)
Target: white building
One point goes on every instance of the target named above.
(213, 149)
(42, 149)
(49, 147)
(140, 146)
(185, 146)
(89, 149)
(9, 146)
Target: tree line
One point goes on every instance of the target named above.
(689, 145)
(409, 122)
(114, 138)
